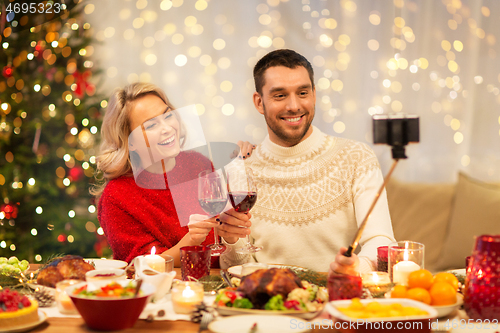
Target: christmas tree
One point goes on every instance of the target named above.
(49, 121)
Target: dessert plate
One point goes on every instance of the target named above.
(243, 324)
(106, 263)
(42, 316)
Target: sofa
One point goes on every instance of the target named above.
(444, 217)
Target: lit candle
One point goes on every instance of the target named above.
(154, 261)
(186, 295)
(402, 269)
(378, 283)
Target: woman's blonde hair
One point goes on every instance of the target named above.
(114, 157)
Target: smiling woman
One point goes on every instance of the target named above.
(142, 140)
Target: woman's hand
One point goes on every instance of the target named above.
(234, 225)
(246, 150)
(343, 264)
(199, 227)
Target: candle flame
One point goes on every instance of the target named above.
(376, 278)
(153, 250)
(479, 273)
(405, 255)
(188, 292)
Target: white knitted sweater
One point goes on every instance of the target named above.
(311, 199)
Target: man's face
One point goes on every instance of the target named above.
(287, 103)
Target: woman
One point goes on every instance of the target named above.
(137, 214)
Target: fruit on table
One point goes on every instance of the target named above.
(440, 289)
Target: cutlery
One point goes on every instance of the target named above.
(226, 278)
(138, 287)
(205, 320)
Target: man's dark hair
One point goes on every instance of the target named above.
(282, 57)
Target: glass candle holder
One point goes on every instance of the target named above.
(383, 259)
(64, 303)
(342, 286)
(169, 263)
(482, 282)
(186, 295)
(377, 283)
(404, 258)
(195, 262)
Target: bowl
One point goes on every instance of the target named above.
(102, 277)
(346, 324)
(110, 314)
(444, 310)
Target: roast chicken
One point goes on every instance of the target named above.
(263, 284)
(67, 267)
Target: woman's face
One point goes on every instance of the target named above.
(157, 130)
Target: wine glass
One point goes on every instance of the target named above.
(242, 195)
(212, 197)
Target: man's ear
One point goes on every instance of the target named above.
(257, 101)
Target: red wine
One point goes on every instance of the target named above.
(243, 201)
(213, 206)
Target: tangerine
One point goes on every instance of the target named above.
(448, 278)
(419, 294)
(421, 278)
(442, 293)
(399, 291)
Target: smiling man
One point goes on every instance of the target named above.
(313, 189)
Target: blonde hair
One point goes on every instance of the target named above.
(114, 157)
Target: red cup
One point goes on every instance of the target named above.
(195, 262)
(482, 283)
(383, 258)
(342, 286)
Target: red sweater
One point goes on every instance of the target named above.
(135, 219)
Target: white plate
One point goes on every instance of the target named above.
(444, 310)
(274, 324)
(460, 271)
(227, 311)
(333, 309)
(42, 316)
(106, 263)
(236, 270)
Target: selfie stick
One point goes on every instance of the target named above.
(397, 132)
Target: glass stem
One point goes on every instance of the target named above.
(248, 240)
(216, 235)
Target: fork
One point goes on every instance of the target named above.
(205, 320)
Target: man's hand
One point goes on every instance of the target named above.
(199, 227)
(343, 264)
(234, 225)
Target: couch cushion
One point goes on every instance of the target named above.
(420, 212)
(476, 211)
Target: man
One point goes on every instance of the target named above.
(314, 190)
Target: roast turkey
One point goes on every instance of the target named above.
(263, 284)
(67, 267)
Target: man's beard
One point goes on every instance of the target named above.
(281, 133)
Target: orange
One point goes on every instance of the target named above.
(421, 278)
(443, 293)
(398, 291)
(448, 278)
(419, 294)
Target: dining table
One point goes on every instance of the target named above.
(77, 325)
(322, 323)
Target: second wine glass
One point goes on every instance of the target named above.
(242, 193)
(212, 197)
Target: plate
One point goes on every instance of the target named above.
(444, 310)
(226, 311)
(106, 263)
(236, 270)
(273, 323)
(42, 316)
(333, 309)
